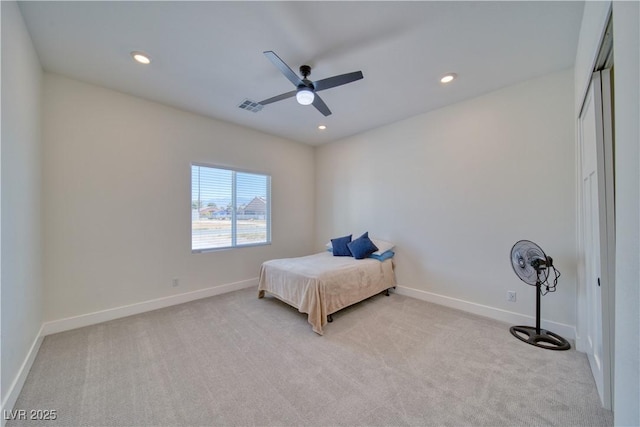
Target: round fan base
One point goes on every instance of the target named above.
(540, 338)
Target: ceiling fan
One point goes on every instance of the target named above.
(306, 92)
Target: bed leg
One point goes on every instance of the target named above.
(386, 293)
(260, 294)
(329, 318)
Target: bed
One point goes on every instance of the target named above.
(322, 284)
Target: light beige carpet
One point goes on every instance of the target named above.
(238, 361)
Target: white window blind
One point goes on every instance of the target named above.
(229, 208)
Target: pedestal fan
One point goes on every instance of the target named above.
(533, 267)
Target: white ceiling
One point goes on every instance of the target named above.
(207, 56)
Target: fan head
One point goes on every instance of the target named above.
(529, 262)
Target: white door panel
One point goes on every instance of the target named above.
(594, 238)
(591, 142)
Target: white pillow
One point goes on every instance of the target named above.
(382, 246)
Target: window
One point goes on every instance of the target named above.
(229, 208)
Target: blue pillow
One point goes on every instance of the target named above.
(340, 246)
(362, 247)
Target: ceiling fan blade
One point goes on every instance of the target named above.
(321, 106)
(334, 81)
(278, 98)
(284, 68)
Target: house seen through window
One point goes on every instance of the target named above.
(229, 208)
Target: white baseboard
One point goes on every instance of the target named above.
(566, 331)
(82, 320)
(11, 395)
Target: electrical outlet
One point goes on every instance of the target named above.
(176, 283)
(511, 296)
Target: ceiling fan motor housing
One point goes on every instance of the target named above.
(305, 70)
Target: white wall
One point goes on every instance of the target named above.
(117, 203)
(626, 34)
(21, 276)
(457, 187)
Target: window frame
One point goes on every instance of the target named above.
(234, 228)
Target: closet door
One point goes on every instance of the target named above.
(593, 124)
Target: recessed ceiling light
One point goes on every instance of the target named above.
(448, 78)
(141, 57)
(322, 127)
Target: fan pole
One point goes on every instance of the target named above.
(538, 293)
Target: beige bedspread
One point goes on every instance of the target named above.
(322, 284)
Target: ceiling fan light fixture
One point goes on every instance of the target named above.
(305, 96)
